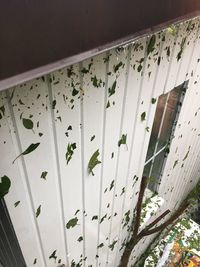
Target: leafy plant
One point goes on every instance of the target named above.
(93, 162)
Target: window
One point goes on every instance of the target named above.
(166, 117)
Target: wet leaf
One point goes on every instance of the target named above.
(175, 163)
(93, 162)
(29, 149)
(92, 138)
(153, 100)
(74, 92)
(53, 104)
(112, 185)
(151, 44)
(16, 203)
(111, 90)
(28, 124)
(139, 68)
(108, 104)
(38, 211)
(4, 186)
(111, 246)
(116, 67)
(143, 116)
(71, 223)
(53, 255)
(100, 245)
(35, 261)
(122, 141)
(70, 151)
(43, 175)
(95, 217)
(103, 218)
(80, 239)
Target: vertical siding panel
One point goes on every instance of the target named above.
(116, 76)
(66, 97)
(22, 216)
(177, 57)
(192, 35)
(93, 106)
(31, 101)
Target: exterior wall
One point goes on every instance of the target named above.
(84, 97)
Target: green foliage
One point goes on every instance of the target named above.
(70, 151)
(43, 175)
(80, 239)
(96, 82)
(111, 90)
(172, 29)
(4, 186)
(16, 203)
(143, 116)
(95, 217)
(122, 141)
(116, 67)
(181, 49)
(28, 124)
(29, 149)
(153, 100)
(111, 246)
(38, 211)
(53, 255)
(71, 223)
(151, 44)
(100, 245)
(93, 162)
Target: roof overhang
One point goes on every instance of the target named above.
(37, 37)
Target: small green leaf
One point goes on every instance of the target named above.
(186, 154)
(74, 92)
(153, 100)
(28, 124)
(108, 104)
(92, 138)
(80, 239)
(122, 141)
(4, 186)
(116, 67)
(139, 68)
(111, 246)
(29, 149)
(112, 185)
(100, 245)
(16, 203)
(71, 223)
(53, 255)
(147, 129)
(111, 90)
(38, 211)
(123, 191)
(96, 83)
(95, 217)
(76, 212)
(43, 175)
(70, 151)
(103, 218)
(151, 44)
(35, 261)
(172, 29)
(53, 104)
(175, 163)
(143, 116)
(93, 162)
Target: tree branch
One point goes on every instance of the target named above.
(143, 186)
(175, 216)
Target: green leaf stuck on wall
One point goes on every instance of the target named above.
(4, 186)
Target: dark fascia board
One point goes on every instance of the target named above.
(40, 36)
